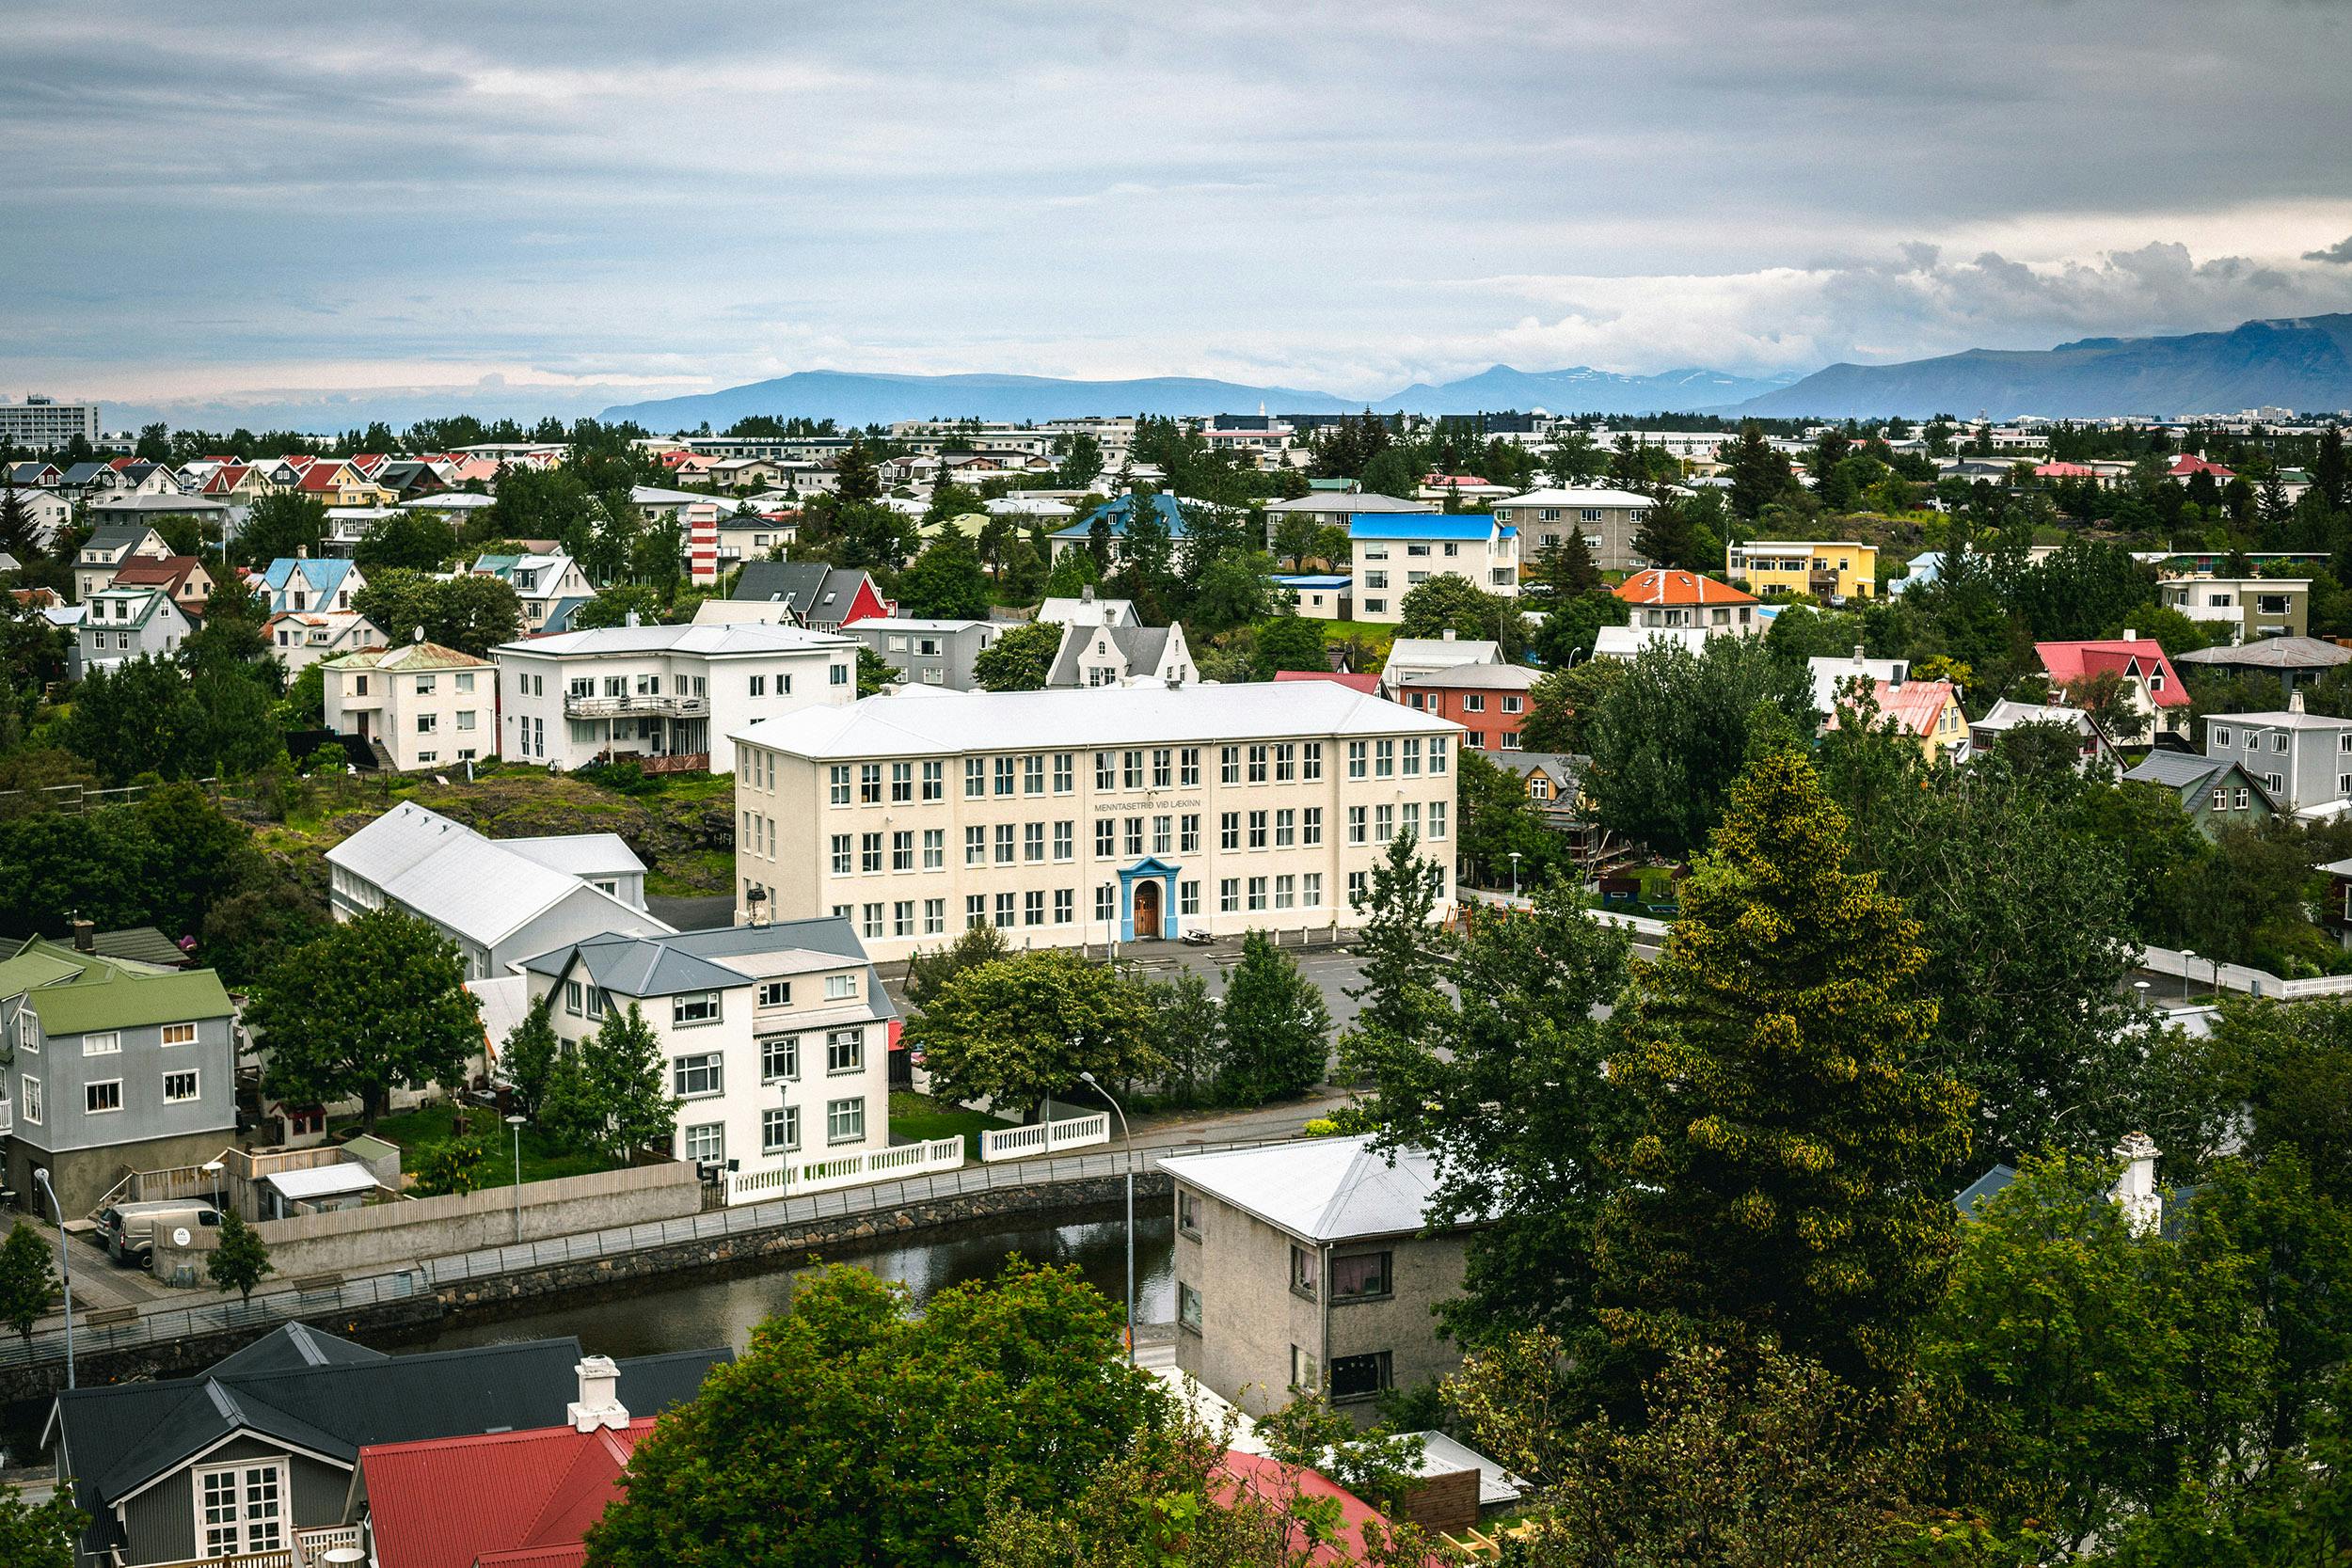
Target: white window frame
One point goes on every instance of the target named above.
(196, 1086)
(105, 1042)
(244, 1532)
(88, 1093)
(188, 1038)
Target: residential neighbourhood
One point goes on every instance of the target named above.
(963, 789)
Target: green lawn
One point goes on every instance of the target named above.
(918, 1115)
(543, 1156)
(1376, 635)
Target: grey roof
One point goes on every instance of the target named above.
(2175, 770)
(697, 960)
(162, 506)
(1323, 1189)
(810, 588)
(580, 854)
(1981, 1190)
(2271, 653)
(462, 881)
(1478, 677)
(334, 1398)
(1561, 764)
(115, 536)
(709, 642)
(1141, 646)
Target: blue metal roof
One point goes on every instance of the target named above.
(1421, 525)
(1116, 514)
(1314, 579)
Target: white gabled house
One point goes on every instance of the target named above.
(777, 1036)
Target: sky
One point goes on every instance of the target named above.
(225, 208)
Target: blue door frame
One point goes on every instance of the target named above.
(1157, 870)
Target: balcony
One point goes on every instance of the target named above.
(637, 706)
(309, 1550)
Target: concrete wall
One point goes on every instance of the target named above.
(384, 1234)
(1426, 1270)
(84, 1176)
(1249, 1316)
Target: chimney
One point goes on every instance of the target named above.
(2136, 1189)
(2130, 636)
(2294, 702)
(1858, 660)
(302, 552)
(1085, 593)
(632, 618)
(1449, 634)
(599, 1396)
(84, 935)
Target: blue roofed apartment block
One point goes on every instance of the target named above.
(1395, 552)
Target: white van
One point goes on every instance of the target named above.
(129, 1227)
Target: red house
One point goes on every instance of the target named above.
(1488, 701)
(2155, 685)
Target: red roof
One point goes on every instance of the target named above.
(510, 1497)
(1657, 586)
(2137, 658)
(323, 476)
(1914, 706)
(2065, 470)
(1365, 684)
(147, 570)
(2189, 464)
(1271, 1480)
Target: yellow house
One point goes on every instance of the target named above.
(1926, 711)
(1807, 568)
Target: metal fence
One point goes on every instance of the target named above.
(165, 1325)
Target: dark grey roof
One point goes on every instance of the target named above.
(801, 584)
(114, 536)
(141, 944)
(84, 474)
(117, 1439)
(1523, 762)
(293, 1346)
(2271, 653)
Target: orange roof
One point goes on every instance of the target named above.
(1659, 586)
(1914, 706)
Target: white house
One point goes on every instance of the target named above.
(1395, 552)
(1114, 655)
(540, 583)
(300, 641)
(500, 900)
(424, 705)
(1411, 657)
(674, 693)
(777, 1036)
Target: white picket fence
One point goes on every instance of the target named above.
(847, 1170)
(2202, 971)
(1044, 1137)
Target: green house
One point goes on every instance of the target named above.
(2215, 792)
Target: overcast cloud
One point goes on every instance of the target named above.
(566, 205)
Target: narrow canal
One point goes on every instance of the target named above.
(704, 1310)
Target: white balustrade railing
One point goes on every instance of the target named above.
(845, 1170)
(1044, 1137)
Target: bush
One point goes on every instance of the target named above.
(1321, 1127)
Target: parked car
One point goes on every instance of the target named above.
(129, 1228)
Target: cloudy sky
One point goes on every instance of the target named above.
(513, 206)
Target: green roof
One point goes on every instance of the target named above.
(86, 992)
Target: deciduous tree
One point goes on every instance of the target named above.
(1024, 1028)
(240, 1258)
(28, 1279)
(1278, 1033)
(613, 1091)
(1019, 658)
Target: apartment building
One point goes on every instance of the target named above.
(2302, 761)
(927, 652)
(44, 424)
(2251, 608)
(1841, 569)
(1336, 509)
(1088, 816)
(1611, 520)
(424, 705)
(1395, 552)
(670, 696)
(1488, 701)
(777, 1036)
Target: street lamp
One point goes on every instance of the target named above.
(212, 1168)
(1089, 1079)
(65, 1263)
(2188, 956)
(1514, 874)
(517, 1123)
(2141, 987)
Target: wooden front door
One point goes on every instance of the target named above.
(1147, 909)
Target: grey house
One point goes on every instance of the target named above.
(2302, 761)
(260, 1452)
(110, 1065)
(927, 653)
(120, 625)
(1306, 1265)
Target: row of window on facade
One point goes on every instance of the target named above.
(585, 998)
(1025, 843)
(104, 1095)
(779, 1130)
(1144, 767)
(704, 1074)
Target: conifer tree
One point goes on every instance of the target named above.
(1785, 1175)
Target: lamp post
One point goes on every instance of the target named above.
(64, 1265)
(1128, 1138)
(517, 1123)
(1514, 874)
(2141, 987)
(2188, 956)
(212, 1168)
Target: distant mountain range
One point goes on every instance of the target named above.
(857, 399)
(2302, 363)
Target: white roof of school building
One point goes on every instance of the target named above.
(1626, 642)
(1576, 497)
(1323, 1189)
(459, 879)
(1086, 718)
(715, 641)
